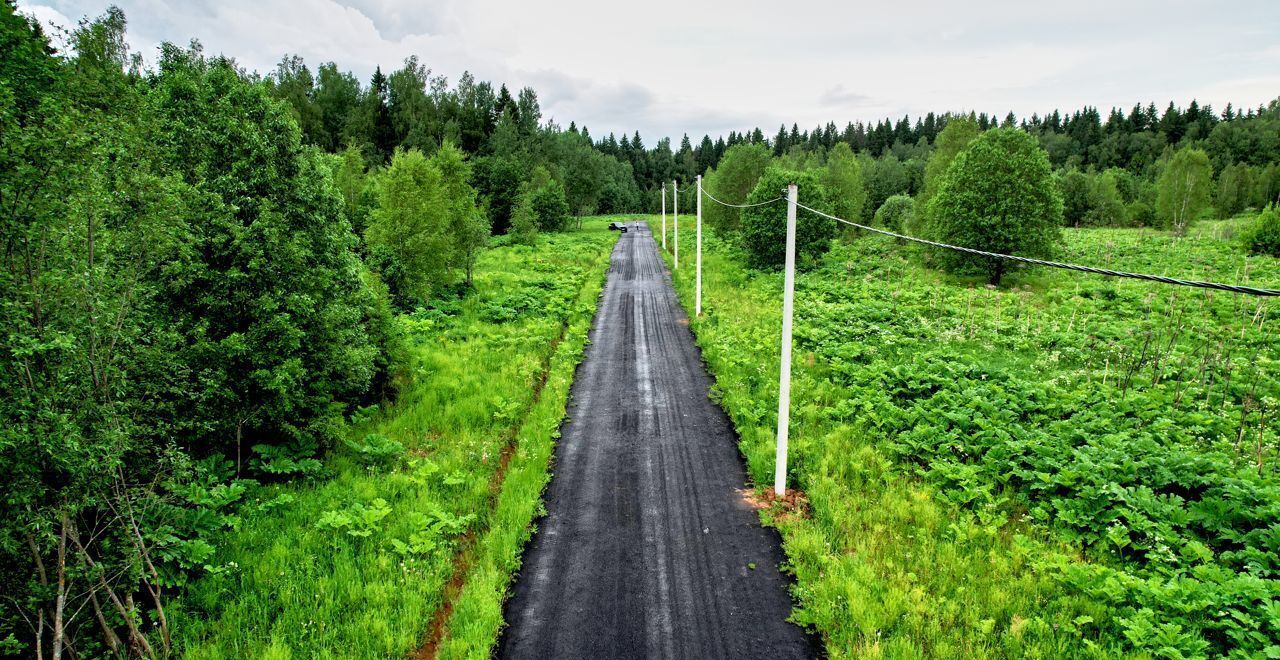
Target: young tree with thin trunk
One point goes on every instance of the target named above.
(1183, 190)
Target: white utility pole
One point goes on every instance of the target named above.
(784, 376)
(675, 219)
(697, 297)
(664, 216)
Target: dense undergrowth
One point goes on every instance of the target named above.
(1065, 466)
(354, 562)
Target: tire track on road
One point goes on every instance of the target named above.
(645, 547)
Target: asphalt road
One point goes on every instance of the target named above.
(647, 546)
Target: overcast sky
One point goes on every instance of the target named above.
(668, 68)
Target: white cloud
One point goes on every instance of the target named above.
(671, 67)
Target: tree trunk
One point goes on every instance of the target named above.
(997, 273)
(113, 640)
(152, 585)
(61, 602)
(136, 638)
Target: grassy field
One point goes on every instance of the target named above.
(431, 498)
(1066, 466)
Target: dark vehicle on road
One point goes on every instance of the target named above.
(618, 226)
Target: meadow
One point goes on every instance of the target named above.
(405, 537)
(1063, 466)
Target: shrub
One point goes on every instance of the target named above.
(1263, 236)
(895, 214)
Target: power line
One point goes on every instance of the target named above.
(1248, 290)
(740, 206)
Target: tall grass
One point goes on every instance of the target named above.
(905, 547)
(354, 564)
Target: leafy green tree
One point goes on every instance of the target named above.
(1106, 206)
(414, 116)
(580, 168)
(999, 196)
(954, 138)
(547, 197)
(353, 183)
(842, 177)
(524, 221)
(409, 235)
(466, 224)
(295, 85)
(618, 194)
(896, 214)
(1183, 189)
(507, 142)
(764, 228)
(731, 181)
(885, 176)
(1266, 185)
(497, 180)
(372, 124)
(1076, 190)
(336, 98)
(272, 261)
(1235, 190)
(86, 234)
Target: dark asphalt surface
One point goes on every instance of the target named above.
(645, 548)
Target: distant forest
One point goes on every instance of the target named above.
(413, 108)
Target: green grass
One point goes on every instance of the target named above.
(472, 630)
(1002, 472)
(355, 563)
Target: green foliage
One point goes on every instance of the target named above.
(408, 237)
(1076, 191)
(1107, 207)
(353, 182)
(524, 221)
(1235, 190)
(296, 460)
(997, 196)
(842, 177)
(182, 281)
(885, 177)
(579, 173)
(368, 551)
(547, 197)
(1263, 235)
(269, 261)
(426, 227)
(1092, 200)
(764, 228)
(357, 520)
(897, 214)
(1060, 469)
(1183, 189)
(731, 182)
(497, 180)
(959, 132)
(375, 449)
(467, 226)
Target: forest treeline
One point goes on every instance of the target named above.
(412, 108)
